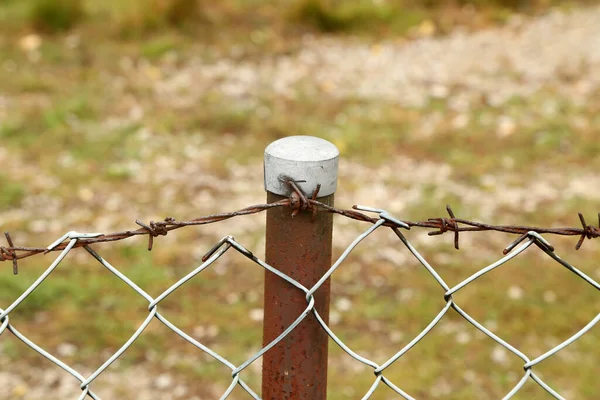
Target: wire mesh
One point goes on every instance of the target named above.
(527, 239)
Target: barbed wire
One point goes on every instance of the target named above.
(298, 202)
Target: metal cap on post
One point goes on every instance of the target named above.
(308, 160)
(299, 246)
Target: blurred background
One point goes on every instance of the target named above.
(116, 110)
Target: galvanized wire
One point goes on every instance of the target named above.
(383, 219)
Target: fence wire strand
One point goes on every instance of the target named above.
(528, 237)
(439, 225)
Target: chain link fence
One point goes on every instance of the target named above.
(302, 214)
(529, 236)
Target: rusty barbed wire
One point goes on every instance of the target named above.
(298, 202)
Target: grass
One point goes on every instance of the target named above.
(138, 19)
(71, 119)
(12, 194)
(156, 48)
(389, 130)
(355, 16)
(56, 16)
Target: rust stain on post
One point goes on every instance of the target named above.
(296, 368)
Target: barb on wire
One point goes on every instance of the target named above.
(299, 202)
(446, 225)
(154, 230)
(589, 231)
(10, 253)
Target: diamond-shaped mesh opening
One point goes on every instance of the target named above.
(82, 311)
(222, 308)
(375, 274)
(537, 315)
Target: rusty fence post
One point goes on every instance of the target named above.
(299, 246)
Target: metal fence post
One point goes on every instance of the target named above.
(299, 246)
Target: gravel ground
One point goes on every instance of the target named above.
(560, 51)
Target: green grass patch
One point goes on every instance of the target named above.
(135, 18)
(155, 48)
(331, 16)
(32, 83)
(56, 15)
(12, 192)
